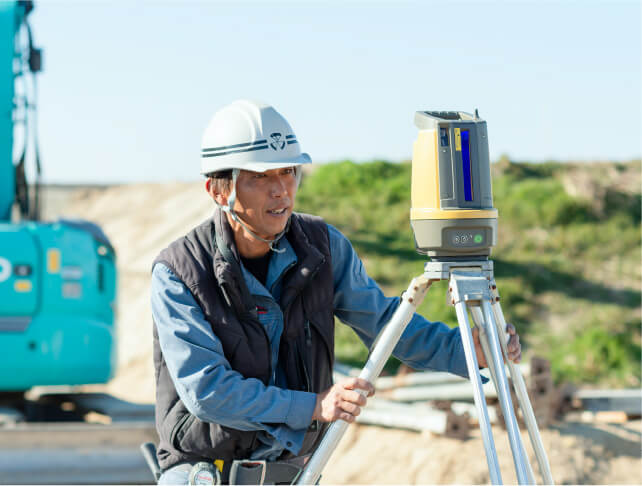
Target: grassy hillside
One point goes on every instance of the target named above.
(567, 261)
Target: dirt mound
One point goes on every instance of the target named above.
(578, 454)
(140, 221)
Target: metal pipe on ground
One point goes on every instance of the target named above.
(418, 408)
(448, 391)
(461, 408)
(435, 421)
(417, 379)
(628, 401)
(427, 378)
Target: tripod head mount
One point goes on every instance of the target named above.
(452, 213)
(441, 269)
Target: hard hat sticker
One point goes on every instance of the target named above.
(277, 142)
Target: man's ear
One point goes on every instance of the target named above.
(219, 197)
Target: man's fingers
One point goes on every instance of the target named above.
(359, 383)
(354, 397)
(513, 344)
(343, 400)
(346, 417)
(481, 359)
(352, 383)
(351, 408)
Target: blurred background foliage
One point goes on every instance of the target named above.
(567, 261)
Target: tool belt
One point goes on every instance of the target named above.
(247, 471)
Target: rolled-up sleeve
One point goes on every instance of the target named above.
(204, 380)
(360, 303)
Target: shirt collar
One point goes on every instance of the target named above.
(279, 263)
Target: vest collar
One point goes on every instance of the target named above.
(307, 257)
(227, 268)
(309, 262)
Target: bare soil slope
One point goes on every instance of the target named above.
(140, 221)
(578, 454)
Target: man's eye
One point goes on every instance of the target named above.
(259, 176)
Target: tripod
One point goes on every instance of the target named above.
(471, 288)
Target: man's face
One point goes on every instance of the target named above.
(265, 200)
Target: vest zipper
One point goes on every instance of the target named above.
(269, 347)
(300, 290)
(280, 277)
(327, 347)
(314, 426)
(308, 334)
(306, 375)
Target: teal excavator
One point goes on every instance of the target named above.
(57, 279)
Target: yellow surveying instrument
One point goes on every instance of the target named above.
(455, 225)
(452, 210)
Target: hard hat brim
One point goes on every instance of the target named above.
(301, 159)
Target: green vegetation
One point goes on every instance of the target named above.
(567, 262)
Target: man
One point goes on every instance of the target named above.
(244, 309)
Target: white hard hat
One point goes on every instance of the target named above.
(252, 136)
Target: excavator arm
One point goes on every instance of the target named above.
(19, 63)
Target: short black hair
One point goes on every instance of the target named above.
(220, 174)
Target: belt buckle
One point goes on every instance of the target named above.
(249, 463)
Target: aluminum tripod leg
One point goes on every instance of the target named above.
(385, 343)
(503, 392)
(478, 318)
(478, 393)
(470, 286)
(522, 397)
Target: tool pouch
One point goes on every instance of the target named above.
(263, 472)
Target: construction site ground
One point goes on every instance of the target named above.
(141, 219)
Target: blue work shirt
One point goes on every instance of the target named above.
(213, 392)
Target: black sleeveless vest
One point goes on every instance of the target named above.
(307, 343)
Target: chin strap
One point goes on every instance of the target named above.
(228, 209)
